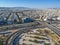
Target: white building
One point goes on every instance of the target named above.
(58, 18)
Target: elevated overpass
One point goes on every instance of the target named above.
(16, 26)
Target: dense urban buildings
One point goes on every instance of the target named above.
(29, 26)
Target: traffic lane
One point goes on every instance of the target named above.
(54, 29)
(21, 28)
(16, 27)
(24, 30)
(7, 41)
(7, 32)
(16, 39)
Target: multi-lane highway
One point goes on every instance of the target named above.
(16, 26)
(20, 31)
(53, 28)
(14, 38)
(6, 32)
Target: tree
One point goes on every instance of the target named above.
(1, 42)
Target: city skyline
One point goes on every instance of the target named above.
(31, 3)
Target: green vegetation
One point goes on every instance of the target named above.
(26, 44)
(5, 28)
(37, 37)
(30, 44)
(36, 41)
(1, 42)
(20, 19)
(59, 41)
(23, 44)
(30, 40)
(45, 44)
